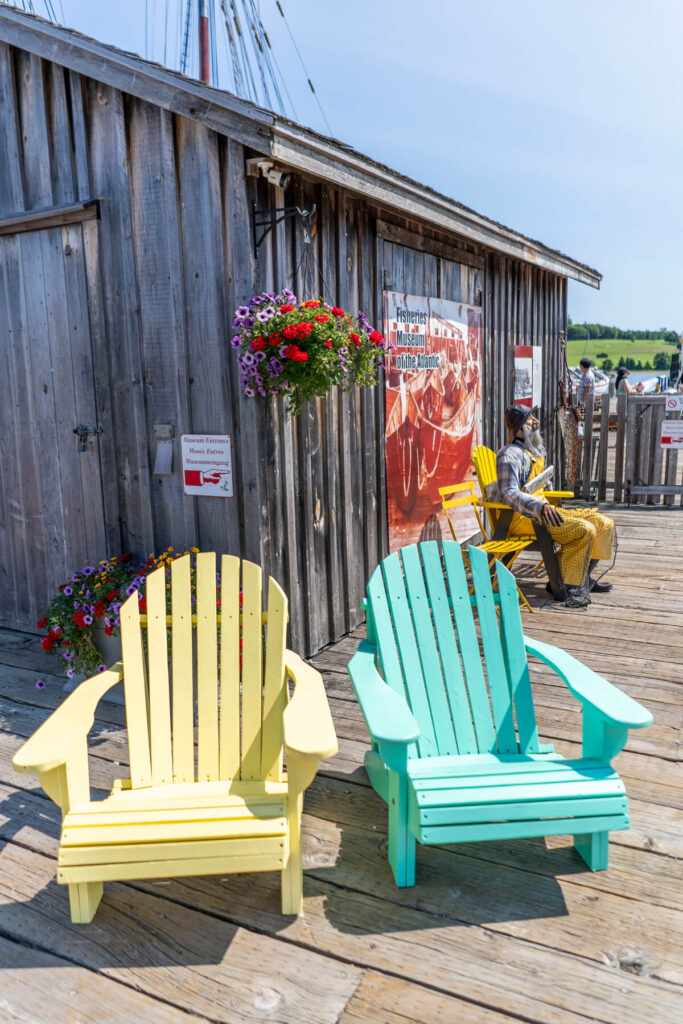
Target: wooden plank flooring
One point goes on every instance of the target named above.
(492, 932)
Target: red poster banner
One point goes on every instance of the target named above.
(433, 413)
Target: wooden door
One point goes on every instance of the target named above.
(51, 507)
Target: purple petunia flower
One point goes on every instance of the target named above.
(101, 668)
(88, 570)
(262, 316)
(131, 588)
(262, 392)
(76, 605)
(258, 380)
(88, 620)
(275, 366)
(289, 294)
(248, 359)
(75, 578)
(269, 311)
(260, 356)
(68, 591)
(40, 684)
(69, 673)
(236, 341)
(242, 311)
(343, 351)
(87, 593)
(249, 392)
(117, 621)
(255, 300)
(281, 350)
(68, 655)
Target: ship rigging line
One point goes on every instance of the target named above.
(301, 61)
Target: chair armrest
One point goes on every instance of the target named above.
(308, 728)
(610, 703)
(492, 504)
(387, 716)
(67, 726)
(557, 494)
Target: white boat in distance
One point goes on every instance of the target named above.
(601, 379)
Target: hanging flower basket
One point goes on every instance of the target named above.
(301, 349)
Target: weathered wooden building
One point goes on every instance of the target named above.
(126, 243)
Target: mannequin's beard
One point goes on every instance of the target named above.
(533, 439)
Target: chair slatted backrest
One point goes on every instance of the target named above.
(207, 653)
(484, 462)
(467, 698)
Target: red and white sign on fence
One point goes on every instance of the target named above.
(672, 434)
(207, 465)
(674, 403)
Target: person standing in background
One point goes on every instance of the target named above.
(587, 382)
(586, 386)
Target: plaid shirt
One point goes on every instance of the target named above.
(586, 384)
(513, 465)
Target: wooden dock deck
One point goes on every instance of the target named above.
(492, 932)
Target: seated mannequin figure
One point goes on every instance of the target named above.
(585, 535)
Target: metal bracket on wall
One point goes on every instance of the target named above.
(83, 432)
(268, 218)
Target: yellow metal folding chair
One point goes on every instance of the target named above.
(459, 495)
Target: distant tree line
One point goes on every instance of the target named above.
(660, 362)
(582, 331)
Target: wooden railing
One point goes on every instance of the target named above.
(621, 457)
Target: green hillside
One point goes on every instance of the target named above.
(643, 351)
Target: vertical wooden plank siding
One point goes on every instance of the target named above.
(142, 301)
(109, 167)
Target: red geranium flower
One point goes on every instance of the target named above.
(311, 304)
(354, 338)
(328, 342)
(289, 332)
(258, 343)
(336, 311)
(46, 643)
(301, 357)
(322, 318)
(376, 337)
(143, 603)
(291, 351)
(108, 630)
(41, 623)
(303, 330)
(99, 609)
(287, 308)
(275, 339)
(111, 595)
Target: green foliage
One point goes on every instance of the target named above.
(661, 361)
(607, 365)
(581, 331)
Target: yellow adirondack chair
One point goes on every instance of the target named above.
(506, 551)
(237, 808)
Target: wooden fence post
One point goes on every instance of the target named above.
(619, 452)
(602, 449)
(587, 445)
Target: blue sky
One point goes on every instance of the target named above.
(563, 120)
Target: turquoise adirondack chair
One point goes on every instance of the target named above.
(455, 751)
